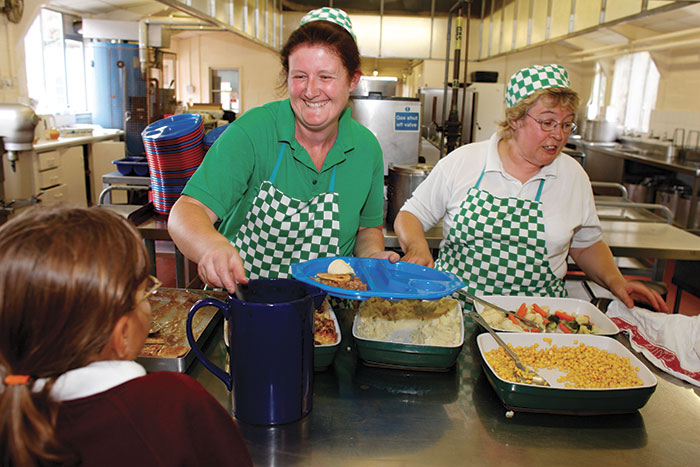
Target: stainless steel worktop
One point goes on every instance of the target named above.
(655, 159)
(374, 416)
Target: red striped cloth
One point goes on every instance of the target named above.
(670, 342)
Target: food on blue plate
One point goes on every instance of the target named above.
(428, 322)
(344, 281)
(324, 326)
(340, 266)
(556, 321)
(583, 366)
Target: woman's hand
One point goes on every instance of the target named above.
(191, 226)
(421, 257)
(598, 263)
(411, 237)
(392, 256)
(221, 266)
(630, 291)
(370, 244)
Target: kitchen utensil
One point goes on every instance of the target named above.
(534, 377)
(528, 322)
(393, 281)
(271, 349)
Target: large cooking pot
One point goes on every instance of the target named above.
(602, 131)
(402, 180)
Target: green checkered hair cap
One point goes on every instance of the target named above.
(528, 80)
(334, 15)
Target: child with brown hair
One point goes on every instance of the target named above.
(73, 316)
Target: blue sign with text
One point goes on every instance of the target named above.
(406, 121)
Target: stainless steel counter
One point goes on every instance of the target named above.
(626, 238)
(375, 416)
(650, 158)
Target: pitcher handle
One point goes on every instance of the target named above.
(223, 307)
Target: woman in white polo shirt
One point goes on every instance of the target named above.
(513, 208)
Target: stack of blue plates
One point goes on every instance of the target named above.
(174, 151)
(212, 135)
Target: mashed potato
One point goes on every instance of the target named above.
(436, 323)
(339, 266)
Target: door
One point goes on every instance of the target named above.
(225, 89)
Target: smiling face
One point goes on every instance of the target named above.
(534, 146)
(319, 87)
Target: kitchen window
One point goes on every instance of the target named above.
(634, 88)
(55, 62)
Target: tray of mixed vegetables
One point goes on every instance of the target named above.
(550, 314)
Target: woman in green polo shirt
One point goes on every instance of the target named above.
(291, 180)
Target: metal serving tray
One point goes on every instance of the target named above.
(169, 305)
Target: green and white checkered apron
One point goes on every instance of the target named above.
(279, 230)
(497, 247)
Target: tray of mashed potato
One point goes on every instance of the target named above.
(417, 334)
(554, 314)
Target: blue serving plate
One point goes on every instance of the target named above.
(393, 281)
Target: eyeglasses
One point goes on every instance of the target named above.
(152, 285)
(550, 125)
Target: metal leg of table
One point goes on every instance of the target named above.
(151, 249)
(179, 269)
(658, 270)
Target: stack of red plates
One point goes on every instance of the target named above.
(174, 151)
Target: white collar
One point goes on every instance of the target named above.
(92, 379)
(495, 164)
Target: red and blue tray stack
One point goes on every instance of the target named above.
(174, 150)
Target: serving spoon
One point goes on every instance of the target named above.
(536, 378)
(474, 298)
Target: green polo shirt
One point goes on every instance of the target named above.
(244, 155)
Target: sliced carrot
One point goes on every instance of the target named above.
(564, 316)
(539, 310)
(564, 328)
(513, 319)
(522, 310)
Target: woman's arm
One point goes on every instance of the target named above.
(370, 244)
(191, 226)
(598, 263)
(409, 231)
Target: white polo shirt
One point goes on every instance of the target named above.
(568, 207)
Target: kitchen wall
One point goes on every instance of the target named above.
(198, 53)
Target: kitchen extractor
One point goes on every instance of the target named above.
(395, 121)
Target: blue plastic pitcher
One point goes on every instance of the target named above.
(271, 336)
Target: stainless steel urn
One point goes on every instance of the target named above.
(402, 180)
